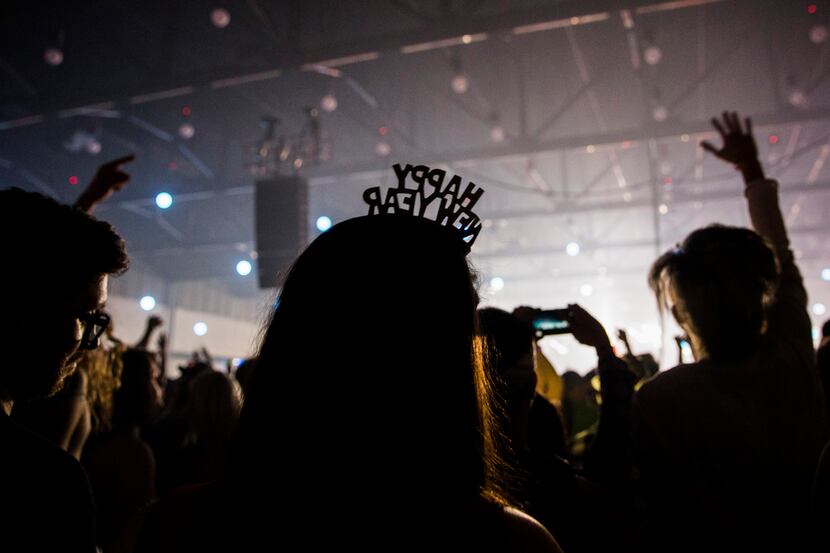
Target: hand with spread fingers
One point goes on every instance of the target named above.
(739, 146)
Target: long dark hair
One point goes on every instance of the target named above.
(369, 382)
(724, 278)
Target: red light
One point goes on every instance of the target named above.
(172, 165)
(73, 180)
(626, 144)
(383, 131)
(186, 111)
(667, 180)
(773, 139)
(812, 8)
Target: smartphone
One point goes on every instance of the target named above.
(551, 321)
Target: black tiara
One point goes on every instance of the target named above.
(435, 196)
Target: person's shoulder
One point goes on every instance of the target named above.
(76, 384)
(669, 381)
(669, 393)
(25, 447)
(541, 403)
(132, 450)
(32, 462)
(190, 501)
(525, 533)
(191, 518)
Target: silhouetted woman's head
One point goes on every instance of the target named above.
(213, 406)
(510, 342)
(718, 282)
(369, 375)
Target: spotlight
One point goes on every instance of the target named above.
(825, 274)
(147, 303)
(818, 34)
(660, 113)
(652, 55)
(797, 98)
(496, 284)
(164, 200)
(329, 102)
(186, 131)
(819, 309)
(383, 148)
(586, 290)
(93, 147)
(53, 56)
(243, 268)
(220, 17)
(663, 209)
(572, 249)
(460, 83)
(497, 133)
(200, 328)
(323, 223)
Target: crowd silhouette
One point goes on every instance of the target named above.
(421, 423)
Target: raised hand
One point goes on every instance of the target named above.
(623, 335)
(526, 314)
(738, 147)
(107, 180)
(153, 322)
(587, 330)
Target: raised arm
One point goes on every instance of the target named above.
(107, 180)
(153, 322)
(740, 150)
(609, 460)
(789, 312)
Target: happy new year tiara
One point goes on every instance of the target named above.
(431, 199)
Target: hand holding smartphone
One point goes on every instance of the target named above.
(551, 321)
